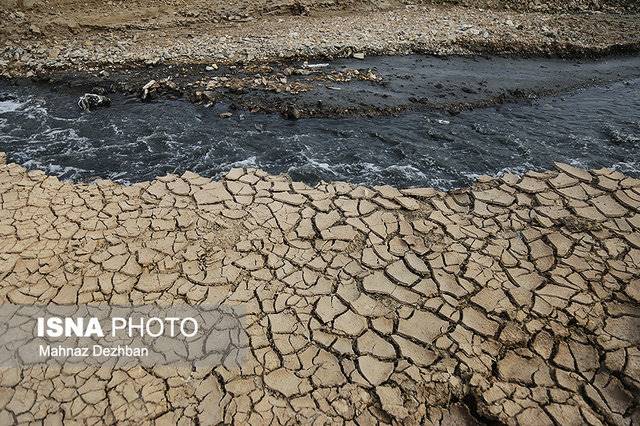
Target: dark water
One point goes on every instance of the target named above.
(131, 141)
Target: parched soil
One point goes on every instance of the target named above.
(514, 301)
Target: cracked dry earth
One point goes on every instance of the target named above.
(516, 300)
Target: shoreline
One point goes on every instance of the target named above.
(121, 53)
(342, 88)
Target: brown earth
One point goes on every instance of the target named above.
(514, 301)
(41, 35)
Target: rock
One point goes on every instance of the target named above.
(147, 88)
(358, 55)
(91, 101)
(299, 9)
(156, 87)
(292, 113)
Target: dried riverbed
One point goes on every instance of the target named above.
(513, 300)
(516, 300)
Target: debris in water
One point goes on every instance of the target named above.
(292, 113)
(146, 89)
(307, 65)
(90, 101)
(164, 86)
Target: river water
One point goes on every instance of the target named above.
(593, 126)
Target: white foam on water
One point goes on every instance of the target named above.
(626, 167)
(68, 172)
(440, 183)
(319, 165)
(247, 162)
(408, 171)
(10, 106)
(518, 170)
(116, 129)
(32, 108)
(296, 138)
(370, 167)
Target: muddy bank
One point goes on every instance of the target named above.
(371, 86)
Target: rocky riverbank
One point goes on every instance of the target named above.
(60, 35)
(516, 300)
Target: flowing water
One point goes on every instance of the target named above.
(594, 126)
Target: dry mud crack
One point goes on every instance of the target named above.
(516, 300)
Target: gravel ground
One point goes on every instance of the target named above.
(39, 39)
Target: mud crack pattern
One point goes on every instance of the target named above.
(515, 300)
